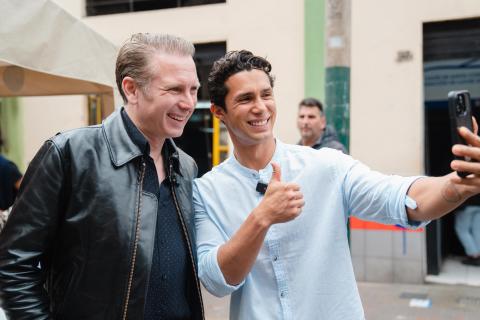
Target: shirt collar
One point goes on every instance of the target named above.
(137, 137)
(264, 174)
(169, 152)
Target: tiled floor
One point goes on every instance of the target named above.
(454, 272)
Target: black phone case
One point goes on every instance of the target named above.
(459, 119)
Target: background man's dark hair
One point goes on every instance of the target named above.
(311, 102)
(232, 63)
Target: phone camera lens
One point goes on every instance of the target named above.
(461, 108)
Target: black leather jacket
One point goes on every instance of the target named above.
(81, 213)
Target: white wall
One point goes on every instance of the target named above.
(269, 28)
(43, 117)
(387, 96)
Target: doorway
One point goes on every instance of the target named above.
(451, 61)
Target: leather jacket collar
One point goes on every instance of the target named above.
(122, 149)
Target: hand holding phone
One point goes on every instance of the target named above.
(460, 110)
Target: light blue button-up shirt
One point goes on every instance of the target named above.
(304, 269)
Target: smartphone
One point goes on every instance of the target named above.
(460, 110)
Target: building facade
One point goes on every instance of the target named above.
(388, 114)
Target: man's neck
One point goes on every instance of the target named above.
(256, 156)
(156, 142)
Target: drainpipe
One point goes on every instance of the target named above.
(337, 76)
(337, 62)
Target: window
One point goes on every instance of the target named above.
(99, 7)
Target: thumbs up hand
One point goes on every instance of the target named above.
(282, 201)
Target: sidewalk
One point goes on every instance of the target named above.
(433, 302)
(383, 301)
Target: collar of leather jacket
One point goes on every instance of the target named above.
(122, 149)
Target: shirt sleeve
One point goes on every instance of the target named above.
(372, 196)
(209, 239)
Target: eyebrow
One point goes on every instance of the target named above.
(179, 85)
(243, 96)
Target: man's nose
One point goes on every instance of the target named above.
(260, 105)
(189, 100)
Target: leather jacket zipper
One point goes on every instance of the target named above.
(137, 235)
(173, 182)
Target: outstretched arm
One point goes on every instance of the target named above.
(436, 196)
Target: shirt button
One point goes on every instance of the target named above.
(282, 294)
(275, 258)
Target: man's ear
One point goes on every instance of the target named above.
(130, 89)
(217, 111)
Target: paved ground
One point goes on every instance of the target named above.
(392, 302)
(387, 301)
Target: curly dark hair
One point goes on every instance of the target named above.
(230, 64)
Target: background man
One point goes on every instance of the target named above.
(312, 124)
(102, 227)
(467, 228)
(10, 180)
(285, 254)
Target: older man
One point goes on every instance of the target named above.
(312, 124)
(103, 227)
(281, 248)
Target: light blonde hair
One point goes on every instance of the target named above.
(133, 58)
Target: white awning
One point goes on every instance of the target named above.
(46, 51)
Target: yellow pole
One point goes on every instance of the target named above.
(99, 109)
(216, 142)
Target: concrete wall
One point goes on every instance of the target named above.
(11, 126)
(43, 117)
(387, 117)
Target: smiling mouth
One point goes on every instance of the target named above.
(258, 123)
(177, 117)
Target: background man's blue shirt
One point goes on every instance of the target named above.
(9, 175)
(304, 269)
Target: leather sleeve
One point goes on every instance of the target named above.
(28, 235)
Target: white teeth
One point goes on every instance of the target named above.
(176, 117)
(258, 123)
